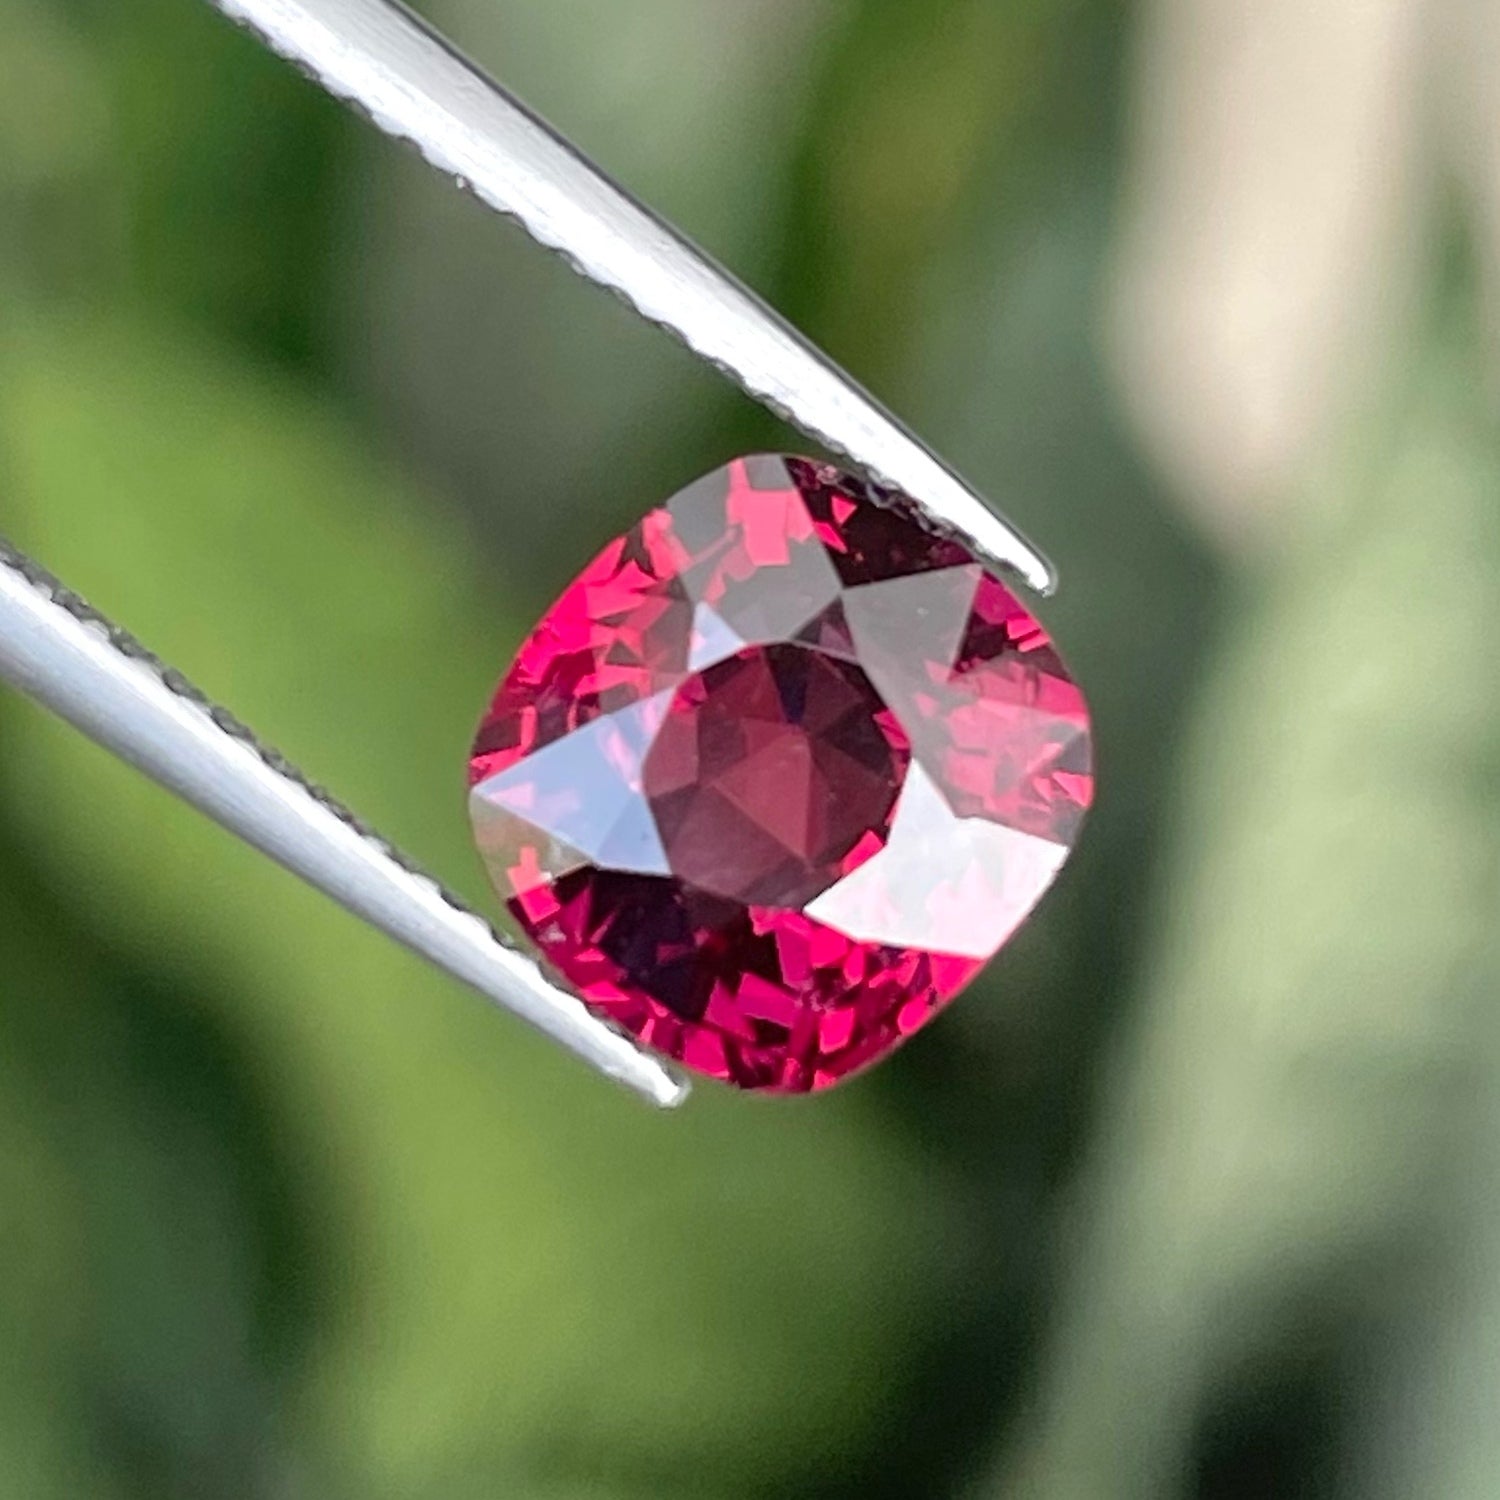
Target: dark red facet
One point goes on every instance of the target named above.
(778, 773)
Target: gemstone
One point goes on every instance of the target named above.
(778, 773)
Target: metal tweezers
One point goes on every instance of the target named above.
(414, 85)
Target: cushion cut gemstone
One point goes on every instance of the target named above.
(778, 773)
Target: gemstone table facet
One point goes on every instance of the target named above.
(778, 773)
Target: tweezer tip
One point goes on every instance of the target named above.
(1046, 579)
(995, 538)
(670, 1091)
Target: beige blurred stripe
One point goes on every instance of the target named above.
(1270, 233)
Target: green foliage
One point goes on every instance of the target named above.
(1288, 1128)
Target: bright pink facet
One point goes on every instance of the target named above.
(778, 773)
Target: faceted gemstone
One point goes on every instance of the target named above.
(778, 773)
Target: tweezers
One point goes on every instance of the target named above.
(414, 85)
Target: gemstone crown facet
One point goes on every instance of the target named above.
(777, 774)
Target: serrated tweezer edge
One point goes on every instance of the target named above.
(68, 657)
(415, 86)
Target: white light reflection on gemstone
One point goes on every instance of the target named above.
(995, 875)
(713, 638)
(582, 794)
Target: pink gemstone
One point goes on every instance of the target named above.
(778, 773)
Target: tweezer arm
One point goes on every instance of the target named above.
(415, 86)
(63, 654)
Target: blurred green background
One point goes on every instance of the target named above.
(1195, 1194)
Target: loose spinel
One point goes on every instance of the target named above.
(778, 773)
